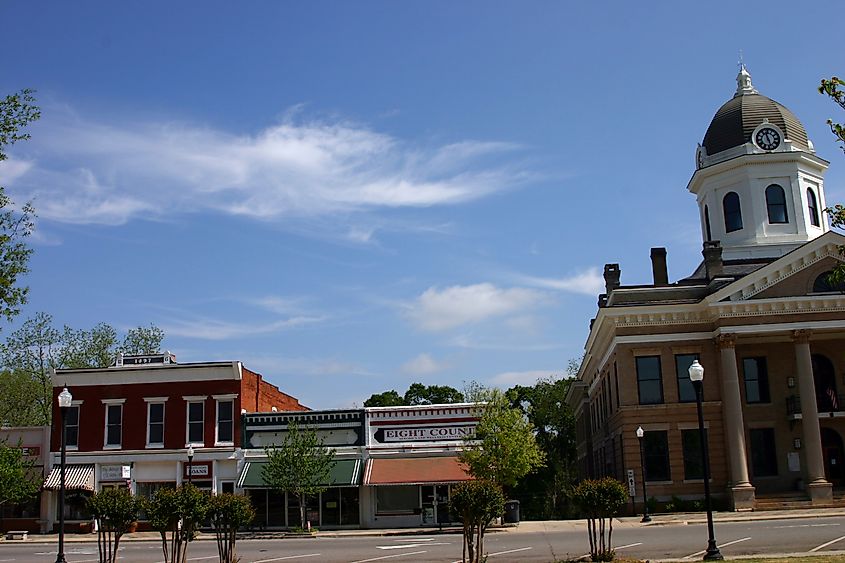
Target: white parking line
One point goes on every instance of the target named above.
(288, 557)
(703, 551)
(410, 545)
(509, 551)
(386, 556)
(629, 545)
(824, 545)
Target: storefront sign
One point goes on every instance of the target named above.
(115, 472)
(30, 451)
(199, 469)
(429, 434)
(632, 484)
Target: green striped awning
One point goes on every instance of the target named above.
(345, 473)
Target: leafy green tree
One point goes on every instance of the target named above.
(419, 394)
(300, 466)
(832, 88)
(387, 399)
(228, 514)
(504, 448)
(36, 348)
(545, 493)
(17, 476)
(142, 340)
(476, 503)
(17, 111)
(178, 512)
(115, 510)
(600, 500)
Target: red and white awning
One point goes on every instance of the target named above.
(77, 477)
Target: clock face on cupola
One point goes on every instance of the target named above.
(758, 181)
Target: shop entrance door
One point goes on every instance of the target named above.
(435, 504)
(442, 508)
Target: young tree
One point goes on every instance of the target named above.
(16, 112)
(476, 503)
(178, 512)
(545, 493)
(142, 340)
(114, 510)
(17, 477)
(600, 500)
(300, 466)
(504, 448)
(228, 514)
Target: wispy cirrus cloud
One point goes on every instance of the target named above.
(511, 378)
(205, 328)
(443, 309)
(423, 364)
(87, 171)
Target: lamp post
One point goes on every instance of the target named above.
(190, 462)
(65, 400)
(696, 376)
(640, 434)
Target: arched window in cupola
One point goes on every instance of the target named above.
(707, 223)
(776, 204)
(733, 212)
(813, 207)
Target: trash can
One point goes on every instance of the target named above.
(511, 512)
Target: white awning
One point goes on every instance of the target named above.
(77, 477)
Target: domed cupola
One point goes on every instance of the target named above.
(758, 181)
(736, 121)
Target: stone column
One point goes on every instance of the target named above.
(820, 489)
(742, 491)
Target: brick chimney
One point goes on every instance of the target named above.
(658, 266)
(713, 264)
(612, 273)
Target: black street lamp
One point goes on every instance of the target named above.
(190, 462)
(640, 434)
(696, 376)
(65, 400)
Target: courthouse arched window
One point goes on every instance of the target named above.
(733, 212)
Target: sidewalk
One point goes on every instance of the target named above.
(524, 527)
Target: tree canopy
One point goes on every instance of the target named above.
(18, 480)
(832, 88)
(31, 352)
(417, 394)
(17, 111)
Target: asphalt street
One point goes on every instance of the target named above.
(673, 541)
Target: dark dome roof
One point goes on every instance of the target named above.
(736, 120)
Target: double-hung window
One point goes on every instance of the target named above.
(155, 421)
(114, 423)
(686, 391)
(756, 376)
(195, 432)
(649, 381)
(72, 427)
(225, 428)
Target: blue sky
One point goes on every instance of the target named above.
(349, 197)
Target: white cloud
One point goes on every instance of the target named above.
(298, 366)
(215, 329)
(112, 173)
(589, 282)
(437, 309)
(511, 378)
(423, 364)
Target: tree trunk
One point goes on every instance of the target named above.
(302, 511)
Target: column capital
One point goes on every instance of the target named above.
(801, 336)
(726, 341)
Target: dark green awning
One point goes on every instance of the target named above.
(345, 473)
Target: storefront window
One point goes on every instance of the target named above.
(312, 511)
(148, 491)
(258, 498)
(330, 506)
(276, 509)
(397, 500)
(76, 505)
(28, 509)
(350, 512)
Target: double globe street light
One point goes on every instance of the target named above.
(696, 376)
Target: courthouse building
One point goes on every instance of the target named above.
(759, 315)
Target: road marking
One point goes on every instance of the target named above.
(803, 526)
(287, 557)
(385, 557)
(509, 551)
(410, 545)
(201, 558)
(703, 551)
(629, 545)
(417, 539)
(824, 545)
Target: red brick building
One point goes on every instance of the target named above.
(132, 424)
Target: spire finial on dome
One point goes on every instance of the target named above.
(743, 80)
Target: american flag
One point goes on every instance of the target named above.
(831, 394)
